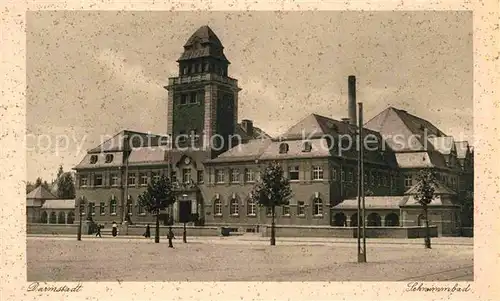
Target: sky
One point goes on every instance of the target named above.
(91, 74)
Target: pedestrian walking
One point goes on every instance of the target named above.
(147, 234)
(114, 229)
(98, 231)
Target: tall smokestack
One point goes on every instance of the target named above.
(352, 99)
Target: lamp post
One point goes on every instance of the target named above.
(81, 208)
(273, 231)
(184, 234)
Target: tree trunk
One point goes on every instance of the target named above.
(273, 233)
(157, 232)
(170, 236)
(184, 234)
(427, 230)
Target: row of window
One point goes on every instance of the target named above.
(317, 173)
(200, 67)
(91, 208)
(450, 181)
(234, 208)
(143, 178)
(191, 98)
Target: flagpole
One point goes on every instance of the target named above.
(361, 195)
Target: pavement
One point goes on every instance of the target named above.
(257, 239)
(245, 258)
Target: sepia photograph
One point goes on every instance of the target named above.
(250, 146)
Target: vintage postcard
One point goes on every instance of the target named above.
(334, 151)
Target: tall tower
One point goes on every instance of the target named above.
(203, 99)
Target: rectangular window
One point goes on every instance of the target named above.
(293, 173)
(219, 176)
(193, 98)
(186, 175)
(200, 176)
(350, 177)
(114, 179)
(184, 99)
(91, 208)
(251, 208)
(334, 174)
(235, 175)
(301, 208)
(317, 173)
(408, 181)
(98, 180)
(131, 179)
(102, 208)
(286, 210)
(155, 176)
(83, 180)
(143, 178)
(249, 175)
(269, 211)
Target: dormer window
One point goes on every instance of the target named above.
(283, 148)
(93, 159)
(306, 146)
(109, 158)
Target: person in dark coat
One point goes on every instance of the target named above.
(98, 233)
(147, 234)
(114, 230)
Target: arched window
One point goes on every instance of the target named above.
(318, 207)
(112, 207)
(234, 208)
(392, 220)
(421, 220)
(374, 220)
(61, 219)
(251, 208)
(71, 217)
(354, 220)
(283, 148)
(306, 147)
(339, 220)
(53, 218)
(44, 217)
(218, 207)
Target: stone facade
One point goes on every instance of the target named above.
(203, 102)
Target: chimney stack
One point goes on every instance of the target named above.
(247, 126)
(352, 99)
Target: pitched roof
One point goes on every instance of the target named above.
(126, 139)
(439, 189)
(209, 45)
(252, 150)
(319, 148)
(374, 202)
(398, 126)
(59, 204)
(438, 201)
(445, 144)
(40, 193)
(101, 162)
(462, 147)
(147, 155)
(420, 160)
(257, 133)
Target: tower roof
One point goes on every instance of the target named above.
(203, 43)
(203, 35)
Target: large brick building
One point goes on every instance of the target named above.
(214, 161)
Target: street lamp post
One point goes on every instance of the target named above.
(184, 234)
(81, 208)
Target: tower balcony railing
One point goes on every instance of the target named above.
(195, 78)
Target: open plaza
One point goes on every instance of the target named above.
(246, 258)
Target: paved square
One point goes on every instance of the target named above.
(108, 259)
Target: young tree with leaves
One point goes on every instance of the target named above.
(158, 196)
(66, 186)
(426, 183)
(271, 190)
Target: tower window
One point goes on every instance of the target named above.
(184, 99)
(199, 68)
(207, 67)
(185, 70)
(192, 98)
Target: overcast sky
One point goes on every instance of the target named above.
(92, 74)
